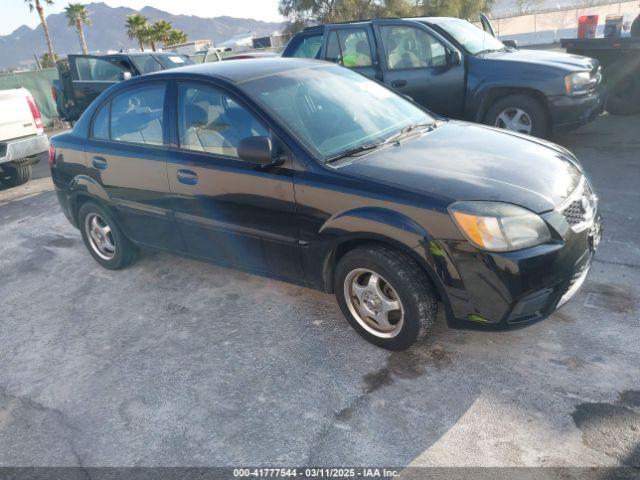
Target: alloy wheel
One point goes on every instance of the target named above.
(374, 303)
(100, 236)
(515, 119)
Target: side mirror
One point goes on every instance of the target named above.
(126, 75)
(454, 58)
(256, 150)
(510, 44)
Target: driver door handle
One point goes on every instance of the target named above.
(399, 83)
(188, 177)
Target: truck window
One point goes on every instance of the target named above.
(349, 47)
(308, 47)
(96, 69)
(411, 47)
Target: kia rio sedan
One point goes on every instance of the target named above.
(311, 173)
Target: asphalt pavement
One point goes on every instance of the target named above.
(177, 362)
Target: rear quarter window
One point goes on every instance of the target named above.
(101, 123)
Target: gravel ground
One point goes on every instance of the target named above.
(177, 362)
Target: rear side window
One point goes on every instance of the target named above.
(137, 115)
(307, 47)
(101, 123)
(349, 47)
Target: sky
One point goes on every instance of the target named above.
(15, 13)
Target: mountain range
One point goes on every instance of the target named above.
(108, 32)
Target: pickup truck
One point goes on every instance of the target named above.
(83, 77)
(620, 60)
(22, 137)
(458, 70)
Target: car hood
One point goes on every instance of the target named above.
(548, 58)
(464, 161)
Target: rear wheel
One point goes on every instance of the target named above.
(519, 113)
(15, 174)
(385, 296)
(103, 238)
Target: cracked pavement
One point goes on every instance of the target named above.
(181, 363)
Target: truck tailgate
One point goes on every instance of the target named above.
(16, 119)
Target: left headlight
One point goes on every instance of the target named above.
(499, 227)
(577, 83)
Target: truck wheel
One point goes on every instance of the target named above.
(519, 113)
(104, 239)
(624, 97)
(15, 174)
(385, 296)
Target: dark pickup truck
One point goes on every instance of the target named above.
(83, 77)
(620, 60)
(455, 69)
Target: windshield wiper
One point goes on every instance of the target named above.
(354, 151)
(491, 50)
(408, 129)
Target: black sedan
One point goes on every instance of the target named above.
(311, 173)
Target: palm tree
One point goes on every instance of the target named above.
(137, 28)
(78, 16)
(35, 4)
(160, 31)
(177, 37)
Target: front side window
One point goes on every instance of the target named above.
(137, 115)
(332, 109)
(411, 47)
(308, 47)
(210, 121)
(349, 47)
(97, 69)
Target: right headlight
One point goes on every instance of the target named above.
(499, 227)
(577, 83)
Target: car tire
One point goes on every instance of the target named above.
(519, 113)
(15, 174)
(104, 239)
(624, 97)
(398, 282)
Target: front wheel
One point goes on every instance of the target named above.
(103, 238)
(385, 296)
(15, 174)
(519, 113)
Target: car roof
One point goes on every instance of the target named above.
(243, 70)
(435, 20)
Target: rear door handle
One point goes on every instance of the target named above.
(187, 177)
(399, 83)
(99, 162)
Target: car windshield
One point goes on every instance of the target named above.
(334, 110)
(473, 39)
(155, 63)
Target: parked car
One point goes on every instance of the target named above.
(457, 70)
(311, 173)
(620, 60)
(22, 137)
(83, 77)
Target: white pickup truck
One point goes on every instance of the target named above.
(22, 137)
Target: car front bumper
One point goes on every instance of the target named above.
(20, 148)
(518, 287)
(568, 112)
